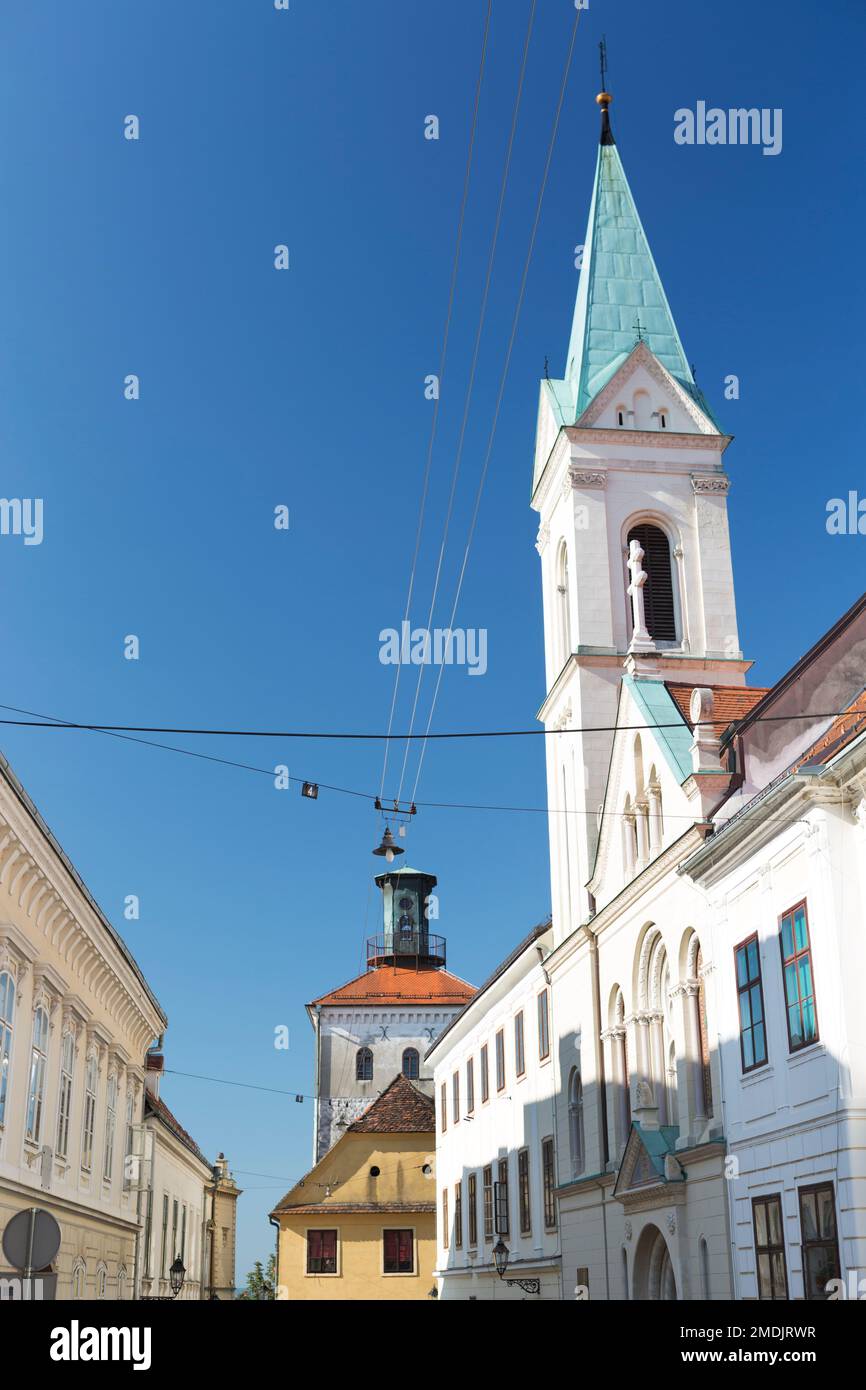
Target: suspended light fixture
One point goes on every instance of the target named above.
(388, 849)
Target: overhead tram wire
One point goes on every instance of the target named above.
(47, 721)
(505, 370)
(442, 362)
(482, 317)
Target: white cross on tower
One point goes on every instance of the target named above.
(640, 638)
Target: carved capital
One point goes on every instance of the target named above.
(586, 477)
(542, 539)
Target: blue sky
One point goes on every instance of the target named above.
(306, 388)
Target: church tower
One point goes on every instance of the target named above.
(381, 1024)
(631, 492)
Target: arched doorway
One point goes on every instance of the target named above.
(654, 1278)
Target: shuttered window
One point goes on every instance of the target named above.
(658, 591)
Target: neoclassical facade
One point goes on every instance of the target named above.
(76, 1018)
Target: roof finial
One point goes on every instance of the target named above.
(604, 97)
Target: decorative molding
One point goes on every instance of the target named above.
(628, 1230)
(542, 539)
(641, 356)
(711, 482)
(585, 478)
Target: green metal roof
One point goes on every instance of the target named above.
(657, 706)
(619, 286)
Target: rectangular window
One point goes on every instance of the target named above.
(548, 1164)
(91, 1080)
(473, 1211)
(398, 1252)
(443, 1108)
(174, 1250)
(750, 998)
(819, 1239)
(487, 1180)
(455, 1096)
(458, 1216)
(500, 1060)
(519, 1058)
(110, 1127)
(523, 1192)
(163, 1262)
(770, 1247)
(500, 1198)
(470, 1086)
(797, 974)
(183, 1234)
(321, 1252)
(543, 1026)
(67, 1062)
(485, 1075)
(446, 1229)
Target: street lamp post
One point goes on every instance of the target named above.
(500, 1258)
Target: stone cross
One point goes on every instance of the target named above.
(640, 636)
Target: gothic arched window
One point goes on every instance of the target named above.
(658, 591)
(575, 1122)
(364, 1064)
(411, 1063)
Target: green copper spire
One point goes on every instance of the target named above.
(620, 298)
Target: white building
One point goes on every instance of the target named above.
(785, 880)
(380, 1024)
(76, 1018)
(495, 1080)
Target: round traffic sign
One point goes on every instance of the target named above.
(32, 1238)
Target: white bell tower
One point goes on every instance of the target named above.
(631, 492)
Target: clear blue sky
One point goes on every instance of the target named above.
(305, 388)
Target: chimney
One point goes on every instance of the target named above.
(153, 1064)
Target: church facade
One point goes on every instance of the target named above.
(705, 1098)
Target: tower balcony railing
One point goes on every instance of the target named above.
(413, 950)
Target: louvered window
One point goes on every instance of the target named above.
(658, 591)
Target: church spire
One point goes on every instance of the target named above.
(620, 297)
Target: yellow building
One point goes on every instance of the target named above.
(362, 1223)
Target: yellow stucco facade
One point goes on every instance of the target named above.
(342, 1195)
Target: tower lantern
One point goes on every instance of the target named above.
(407, 905)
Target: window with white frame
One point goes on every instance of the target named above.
(64, 1109)
(91, 1074)
(110, 1127)
(7, 1009)
(79, 1279)
(129, 1145)
(101, 1280)
(38, 1061)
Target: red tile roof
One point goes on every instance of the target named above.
(400, 1109)
(154, 1106)
(393, 984)
(841, 732)
(730, 702)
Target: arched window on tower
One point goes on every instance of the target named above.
(563, 606)
(364, 1064)
(411, 1064)
(658, 591)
